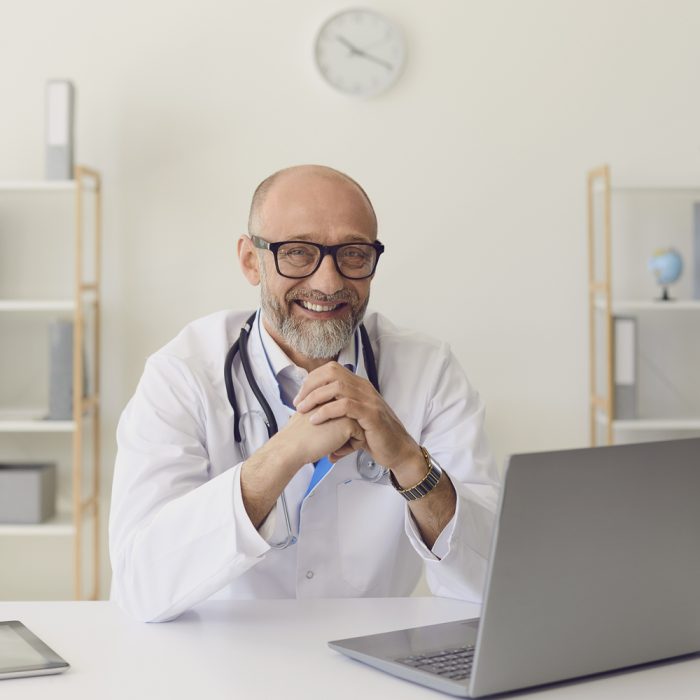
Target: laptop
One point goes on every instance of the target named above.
(594, 566)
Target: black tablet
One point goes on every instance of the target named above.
(24, 654)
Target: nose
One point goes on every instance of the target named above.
(327, 279)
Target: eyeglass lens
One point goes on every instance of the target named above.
(299, 259)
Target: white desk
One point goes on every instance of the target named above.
(266, 649)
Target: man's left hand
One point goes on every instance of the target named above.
(337, 392)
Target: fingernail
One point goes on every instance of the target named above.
(295, 399)
(314, 419)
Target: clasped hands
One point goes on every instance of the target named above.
(339, 413)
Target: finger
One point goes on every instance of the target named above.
(325, 374)
(349, 448)
(335, 390)
(358, 444)
(352, 445)
(332, 410)
(365, 412)
(340, 453)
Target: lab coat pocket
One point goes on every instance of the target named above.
(370, 525)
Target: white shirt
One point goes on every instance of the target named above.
(179, 533)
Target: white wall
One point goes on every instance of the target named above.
(475, 161)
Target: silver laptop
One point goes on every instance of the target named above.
(594, 566)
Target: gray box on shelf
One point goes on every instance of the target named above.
(60, 104)
(27, 492)
(625, 367)
(696, 250)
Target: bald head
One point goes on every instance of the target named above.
(308, 186)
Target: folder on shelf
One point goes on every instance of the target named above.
(625, 367)
(60, 128)
(696, 250)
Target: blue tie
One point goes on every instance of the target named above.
(321, 468)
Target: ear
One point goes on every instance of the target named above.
(249, 261)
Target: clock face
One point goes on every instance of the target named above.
(360, 52)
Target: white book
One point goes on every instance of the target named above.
(60, 98)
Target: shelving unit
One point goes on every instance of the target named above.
(84, 511)
(604, 307)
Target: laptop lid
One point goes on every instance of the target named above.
(595, 564)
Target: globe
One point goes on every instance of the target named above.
(667, 266)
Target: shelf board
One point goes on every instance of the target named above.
(37, 305)
(37, 426)
(43, 185)
(652, 424)
(61, 525)
(32, 421)
(598, 188)
(632, 306)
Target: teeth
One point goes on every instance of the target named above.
(316, 307)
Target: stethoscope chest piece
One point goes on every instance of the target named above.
(368, 469)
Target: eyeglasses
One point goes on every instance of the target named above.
(297, 259)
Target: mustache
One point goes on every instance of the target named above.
(343, 295)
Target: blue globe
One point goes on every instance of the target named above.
(667, 265)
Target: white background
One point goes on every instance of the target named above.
(475, 161)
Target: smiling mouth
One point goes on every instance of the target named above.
(319, 308)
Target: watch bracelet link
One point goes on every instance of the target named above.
(424, 487)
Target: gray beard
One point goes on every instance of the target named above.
(317, 340)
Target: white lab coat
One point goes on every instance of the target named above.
(179, 533)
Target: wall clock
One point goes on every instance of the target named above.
(360, 52)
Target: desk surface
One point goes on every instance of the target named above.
(263, 649)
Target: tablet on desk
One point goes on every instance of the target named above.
(22, 653)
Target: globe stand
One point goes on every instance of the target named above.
(665, 296)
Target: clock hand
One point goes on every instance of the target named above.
(380, 61)
(354, 51)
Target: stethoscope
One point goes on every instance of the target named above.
(367, 468)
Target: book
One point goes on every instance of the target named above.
(625, 367)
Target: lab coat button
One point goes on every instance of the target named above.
(309, 574)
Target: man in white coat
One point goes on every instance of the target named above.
(197, 514)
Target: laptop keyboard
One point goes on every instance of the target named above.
(455, 664)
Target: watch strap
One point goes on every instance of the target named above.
(424, 487)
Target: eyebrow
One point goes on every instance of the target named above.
(351, 238)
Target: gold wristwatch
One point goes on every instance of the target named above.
(424, 487)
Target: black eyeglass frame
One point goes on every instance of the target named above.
(331, 250)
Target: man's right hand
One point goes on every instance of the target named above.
(266, 473)
(301, 442)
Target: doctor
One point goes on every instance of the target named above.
(359, 486)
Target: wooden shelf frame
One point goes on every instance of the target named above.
(600, 299)
(87, 180)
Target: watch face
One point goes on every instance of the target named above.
(360, 52)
